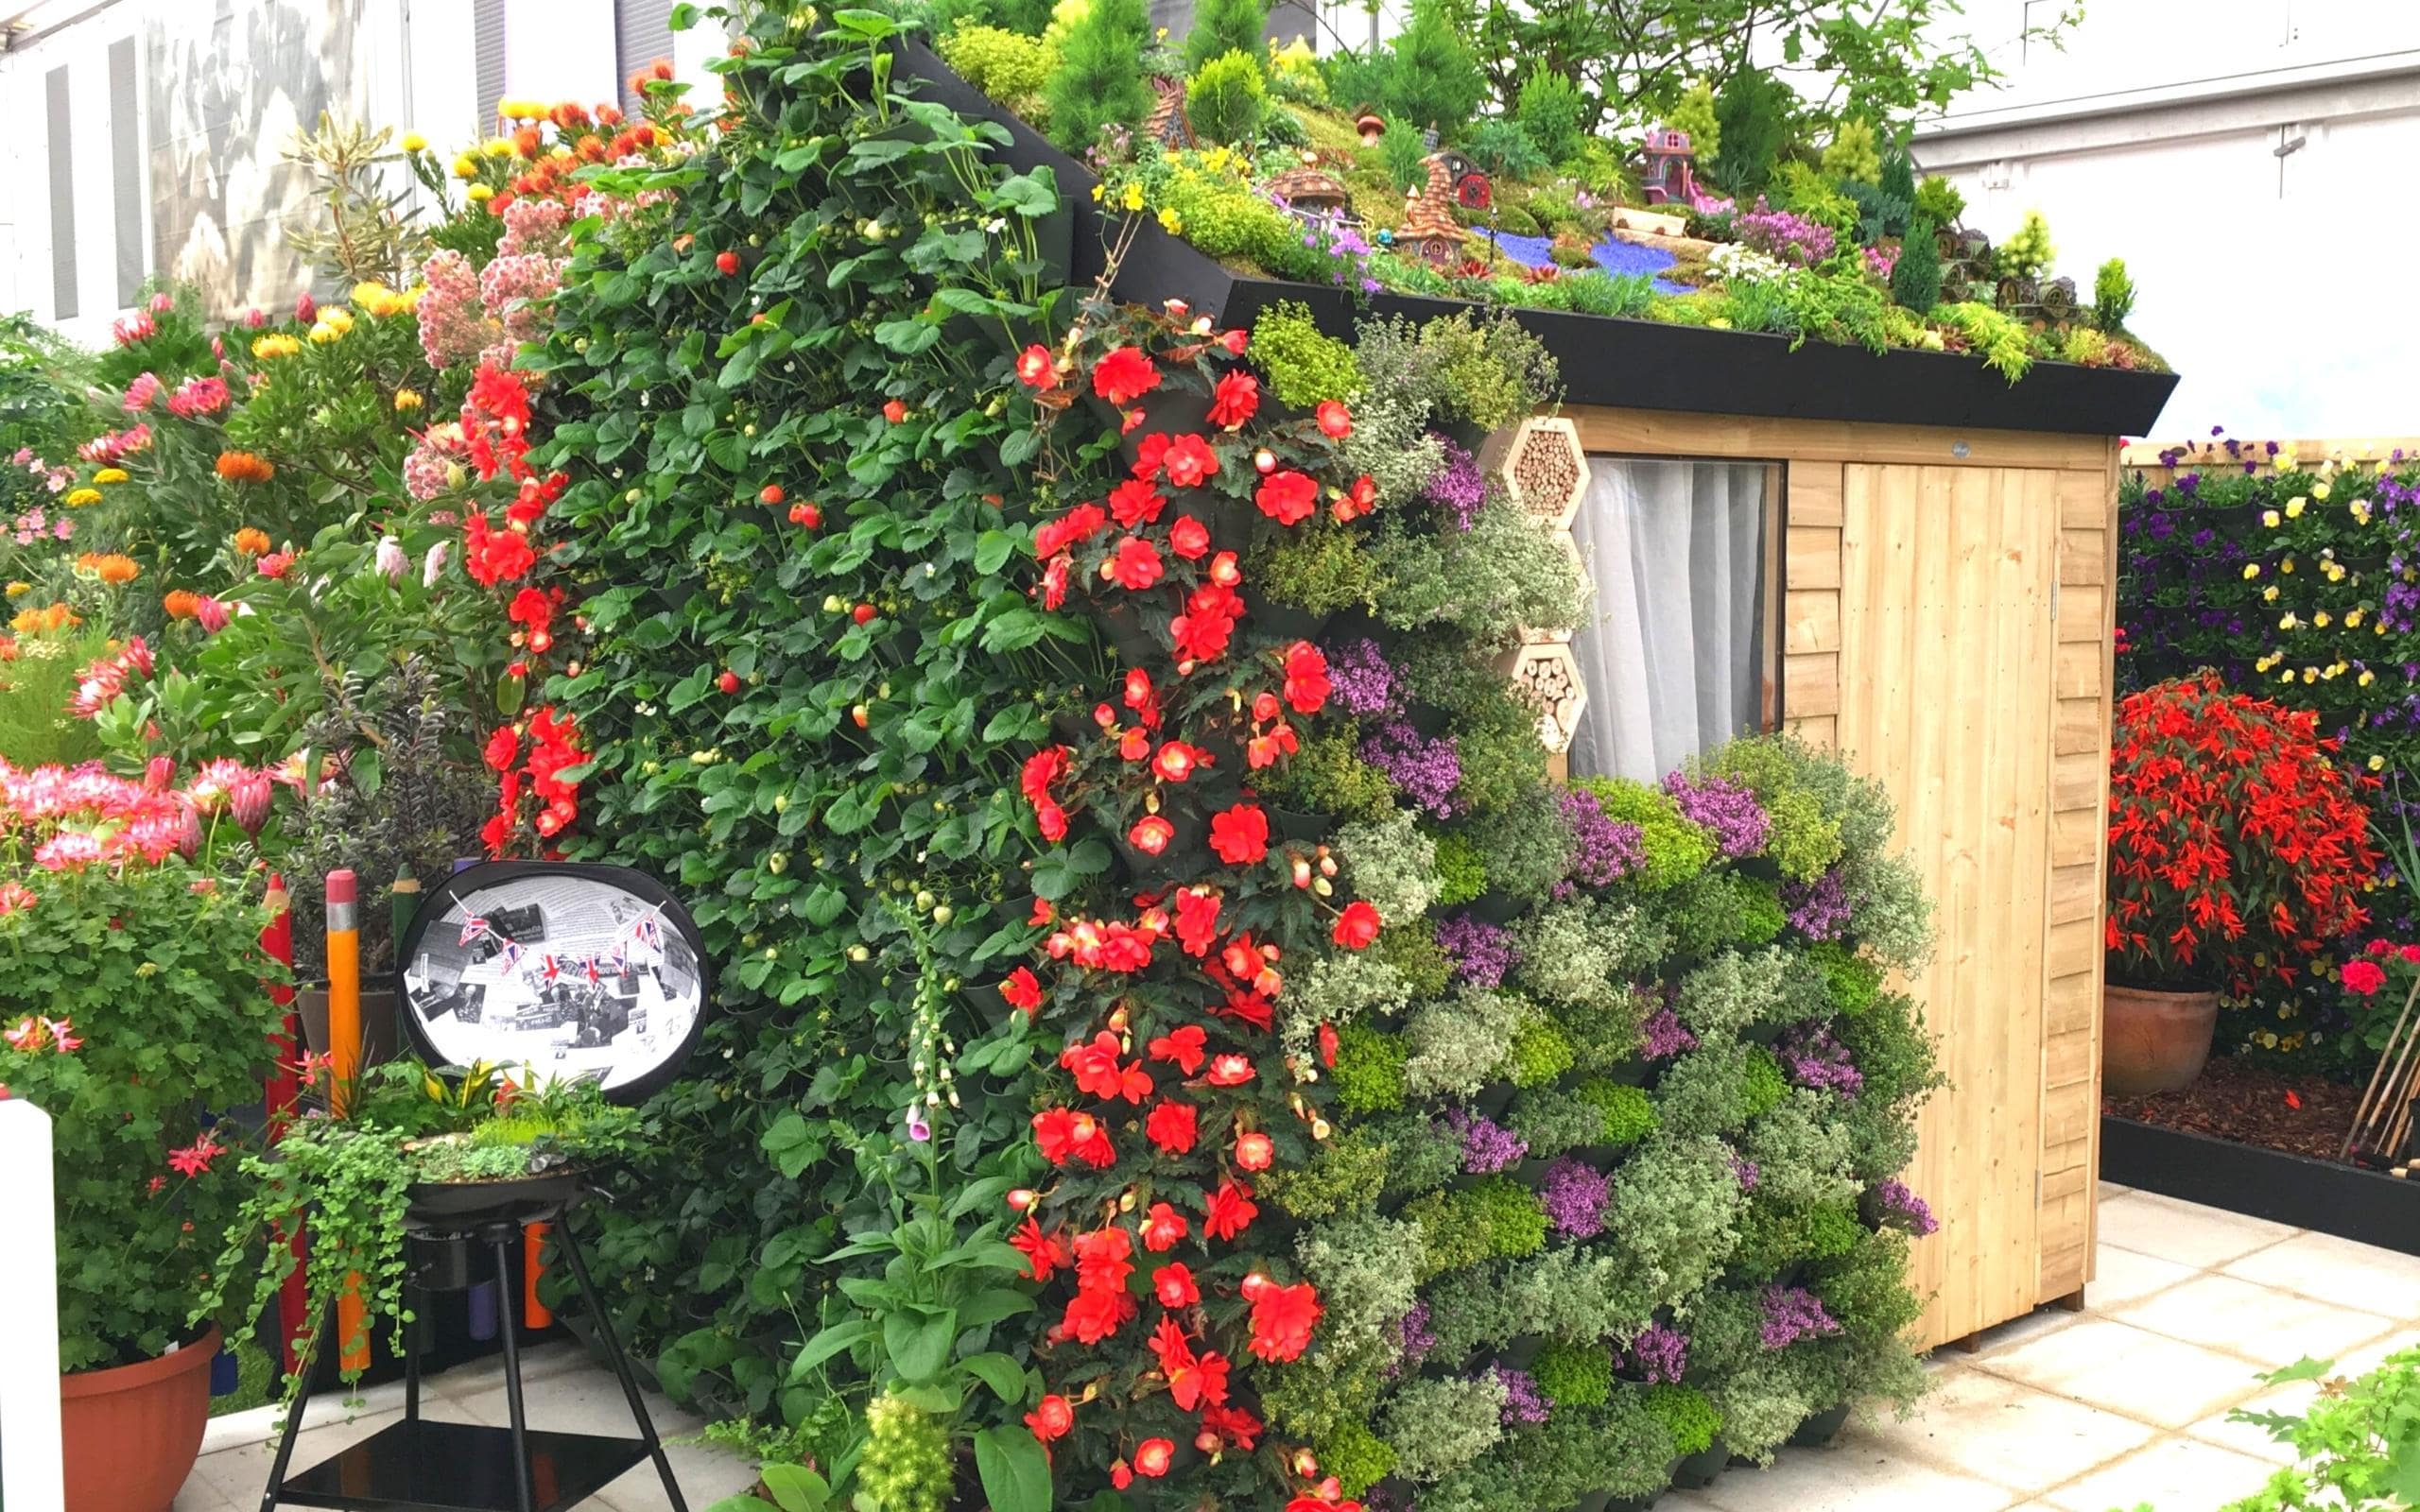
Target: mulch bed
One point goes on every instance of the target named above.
(2233, 1101)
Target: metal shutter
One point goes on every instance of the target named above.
(126, 172)
(487, 53)
(63, 197)
(642, 34)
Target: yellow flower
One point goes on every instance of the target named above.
(2310, 674)
(2352, 619)
(78, 498)
(2269, 518)
(521, 110)
(406, 399)
(2377, 763)
(2320, 619)
(1097, 191)
(338, 316)
(2287, 621)
(479, 194)
(2287, 676)
(1132, 198)
(321, 333)
(1171, 222)
(276, 344)
(2318, 491)
(2366, 679)
(2269, 594)
(414, 141)
(2286, 566)
(110, 474)
(2251, 571)
(497, 147)
(466, 167)
(20, 588)
(2294, 504)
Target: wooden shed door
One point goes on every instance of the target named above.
(1947, 696)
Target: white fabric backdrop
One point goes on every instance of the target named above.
(1673, 648)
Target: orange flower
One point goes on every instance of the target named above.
(245, 467)
(34, 621)
(113, 567)
(181, 603)
(250, 541)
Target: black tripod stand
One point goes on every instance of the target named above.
(421, 1465)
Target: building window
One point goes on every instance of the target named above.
(63, 302)
(1678, 647)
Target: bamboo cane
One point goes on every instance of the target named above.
(2394, 1079)
(2361, 1114)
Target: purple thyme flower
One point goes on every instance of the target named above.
(1791, 1314)
(1661, 1036)
(1896, 1206)
(1606, 850)
(1790, 238)
(1818, 909)
(1744, 1172)
(1728, 810)
(1413, 1336)
(1425, 771)
(1360, 680)
(1459, 486)
(1482, 951)
(1487, 1145)
(1661, 1354)
(1815, 1058)
(1523, 1402)
(1574, 1195)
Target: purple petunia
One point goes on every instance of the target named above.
(1818, 909)
(1791, 1314)
(1482, 951)
(1604, 850)
(1487, 1145)
(1726, 810)
(1661, 1354)
(1360, 678)
(1574, 1195)
(1425, 771)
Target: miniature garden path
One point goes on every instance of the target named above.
(2078, 1412)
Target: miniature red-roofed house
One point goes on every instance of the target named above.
(1429, 231)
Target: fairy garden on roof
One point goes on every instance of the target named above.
(1528, 162)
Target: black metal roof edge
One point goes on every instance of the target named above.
(1621, 363)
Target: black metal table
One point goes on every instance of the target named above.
(422, 1465)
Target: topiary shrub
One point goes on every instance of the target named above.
(1552, 112)
(1915, 278)
(1220, 27)
(1225, 98)
(1100, 80)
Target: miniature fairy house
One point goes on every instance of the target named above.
(1472, 190)
(1429, 231)
(1168, 124)
(1670, 179)
(1309, 192)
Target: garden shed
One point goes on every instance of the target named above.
(1901, 556)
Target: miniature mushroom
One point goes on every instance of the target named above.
(1370, 125)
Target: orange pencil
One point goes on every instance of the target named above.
(344, 1053)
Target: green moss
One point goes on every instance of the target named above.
(1510, 1216)
(1460, 875)
(1686, 1413)
(1368, 1074)
(1628, 1112)
(1303, 365)
(1540, 1052)
(1356, 1457)
(1005, 65)
(1675, 849)
(1574, 1375)
(1762, 1083)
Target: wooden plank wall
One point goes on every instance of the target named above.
(1922, 571)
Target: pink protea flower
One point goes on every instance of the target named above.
(214, 782)
(212, 614)
(196, 397)
(139, 393)
(247, 802)
(159, 774)
(133, 328)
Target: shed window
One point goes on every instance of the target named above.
(1676, 649)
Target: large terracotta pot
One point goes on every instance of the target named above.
(2153, 1042)
(131, 1431)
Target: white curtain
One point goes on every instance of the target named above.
(1672, 649)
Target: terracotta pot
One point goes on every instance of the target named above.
(2153, 1042)
(131, 1431)
(379, 1006)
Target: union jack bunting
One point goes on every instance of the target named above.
(511, 956)
(549, 967)
(473, 928)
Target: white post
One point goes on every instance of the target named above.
(30, 1438)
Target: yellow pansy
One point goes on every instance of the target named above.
(2320, 619)
(2360, 512)
(2251, 571)
(2352, 619)
(2366, 678)
(2287, 676)
(2269, 518)
(2310, 674)
(2288, 621)
(1171, 222)
(2294, 504)
(110, 474)
(2319, 491)
(2377, 763)
(2269, 594)
(1132, 198)
(2286, 566)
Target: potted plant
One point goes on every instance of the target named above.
(130, 944)
(399, 1138)
(2237, 853)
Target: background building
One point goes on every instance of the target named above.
(2249, 159)
(146, 138)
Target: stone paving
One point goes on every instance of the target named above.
(2121, 1403)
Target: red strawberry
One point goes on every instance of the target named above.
(728, 262)
(805, 514)
(729, 681)
(863, 613)
(771, 493)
